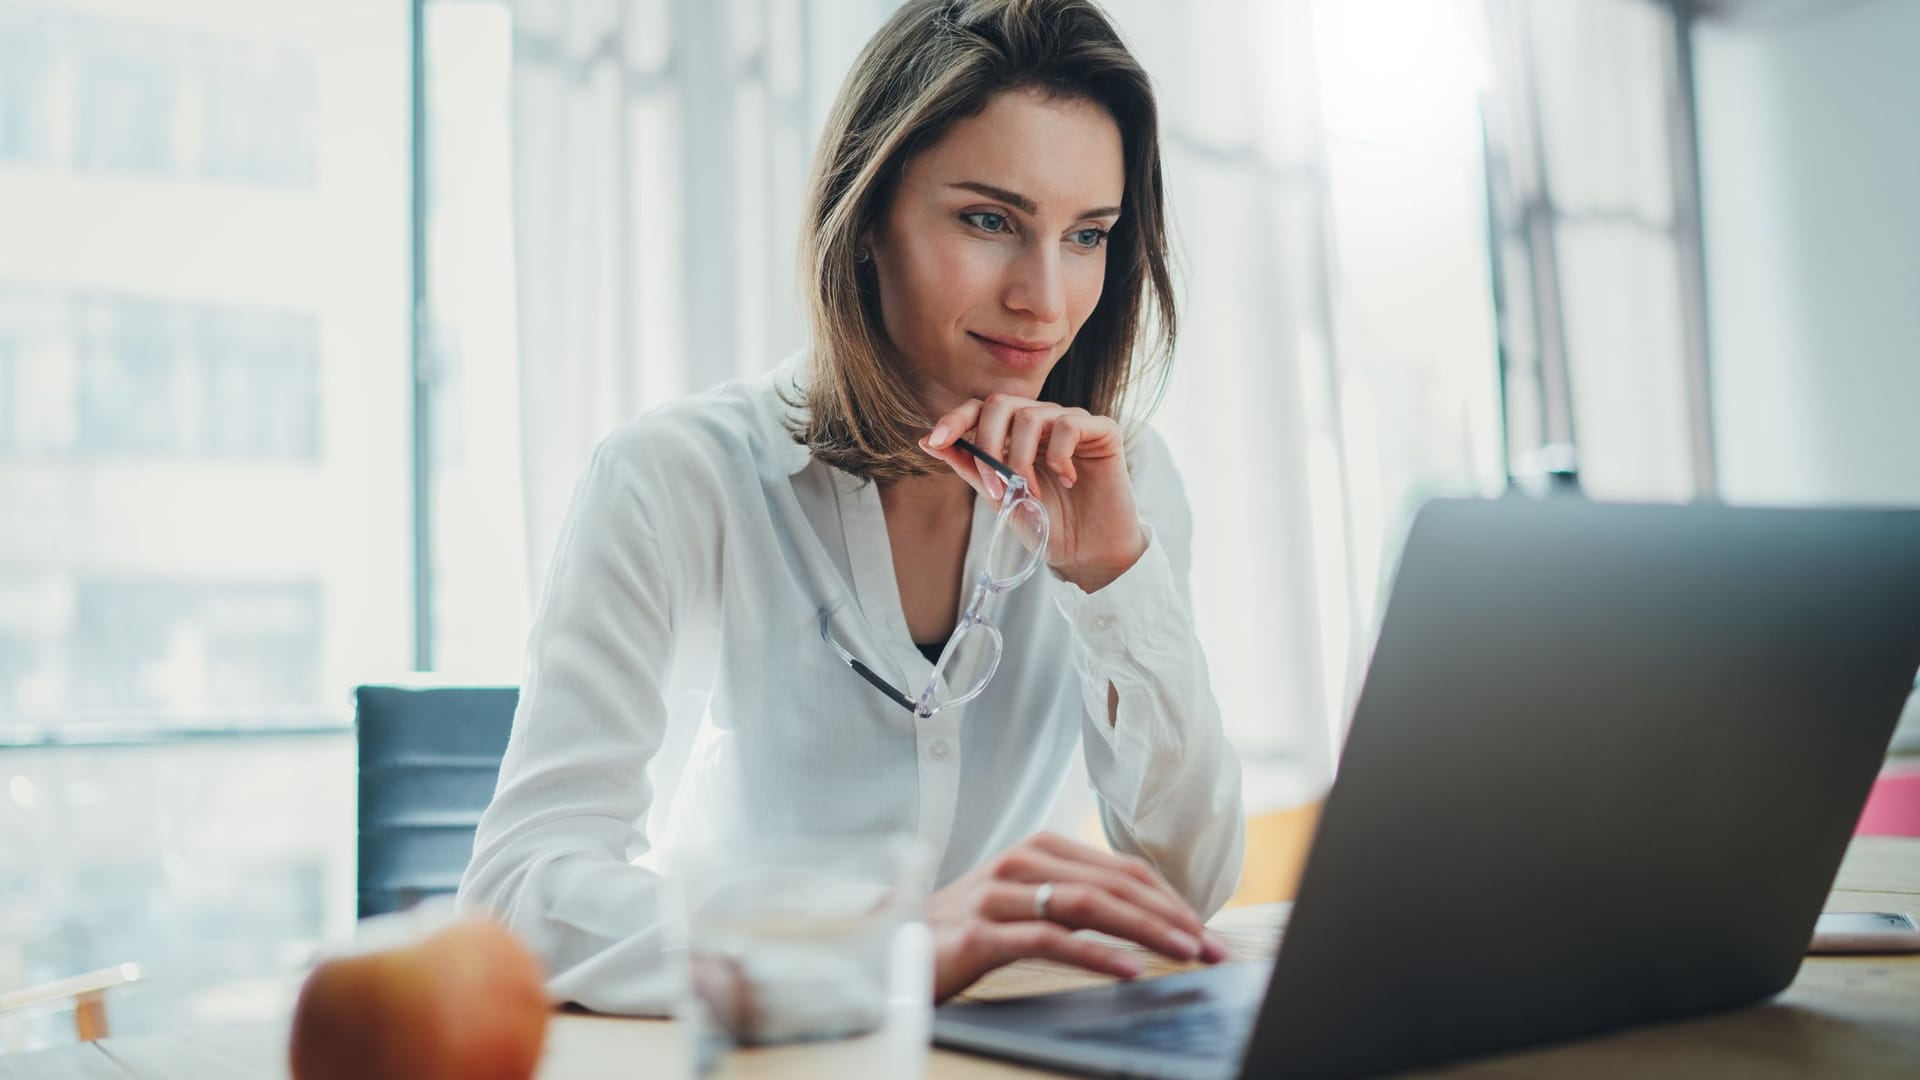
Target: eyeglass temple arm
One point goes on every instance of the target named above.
(865, 672)
(992, 462)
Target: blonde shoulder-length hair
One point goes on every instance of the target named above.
(935, 63)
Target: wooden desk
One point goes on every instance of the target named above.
(1843, 1016)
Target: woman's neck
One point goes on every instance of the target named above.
(931, 499)
(929, 519)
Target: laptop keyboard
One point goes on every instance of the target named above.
(1203, 1032)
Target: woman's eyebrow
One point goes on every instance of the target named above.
(1022, 203)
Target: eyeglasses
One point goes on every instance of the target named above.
(972, 653)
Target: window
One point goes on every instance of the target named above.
(24, 71)
(203, 400)
(479, 597)
(126, 90)
(1596, 222)
(132, 376)
(204, 433)
(259, 113)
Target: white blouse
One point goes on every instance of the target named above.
(677, 646)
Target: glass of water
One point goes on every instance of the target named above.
(805, 948)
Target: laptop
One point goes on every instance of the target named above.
(1602, 772)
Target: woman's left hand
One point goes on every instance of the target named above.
(1074, 462)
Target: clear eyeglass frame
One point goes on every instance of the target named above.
(1015, 550)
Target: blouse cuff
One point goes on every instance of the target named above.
(1121, 631)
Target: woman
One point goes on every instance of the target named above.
(984, 246)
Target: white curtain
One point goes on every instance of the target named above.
(1336, 363)
(1593, 174)
(660, 148)
(1248, 413)
(1335, 358)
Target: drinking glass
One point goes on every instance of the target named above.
(814, 950)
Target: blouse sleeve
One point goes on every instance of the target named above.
(553, 852)
(1166, 781)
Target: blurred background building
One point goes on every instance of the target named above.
(310, 315)
(204, 403)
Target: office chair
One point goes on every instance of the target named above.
(429, 757)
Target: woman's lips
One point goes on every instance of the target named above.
(1013, 354)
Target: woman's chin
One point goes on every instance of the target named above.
(985, 385)
(948, 391)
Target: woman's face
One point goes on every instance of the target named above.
(993, 251)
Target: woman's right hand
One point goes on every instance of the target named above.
(989, 917)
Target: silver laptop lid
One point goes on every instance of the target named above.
(1602, 772)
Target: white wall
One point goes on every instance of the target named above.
(1810, 145)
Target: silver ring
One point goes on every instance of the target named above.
(1041, 896)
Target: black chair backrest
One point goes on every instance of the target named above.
(429, 758)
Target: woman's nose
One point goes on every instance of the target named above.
(1037, 286)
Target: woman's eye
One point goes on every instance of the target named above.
(987, 220)
(1090, 238)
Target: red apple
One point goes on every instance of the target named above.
(466, 1003)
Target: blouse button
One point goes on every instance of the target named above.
(1101, 623)
(938, 751)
